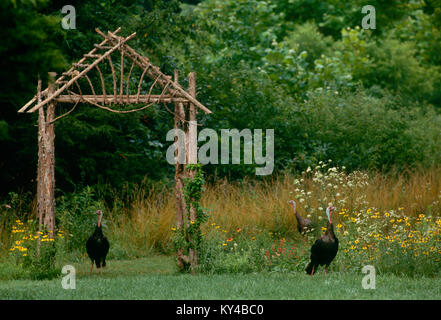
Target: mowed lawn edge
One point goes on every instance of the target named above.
(156, 278)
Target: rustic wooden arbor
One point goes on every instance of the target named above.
(153, 87)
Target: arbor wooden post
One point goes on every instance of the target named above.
(40, 189)
(178, 166)
(191, 139)
(46, 164)
(190, 130)
(179, 172)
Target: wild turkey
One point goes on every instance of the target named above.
(98, 246)
(324, 250)
(303, 224)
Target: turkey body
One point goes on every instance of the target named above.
(324, 249)
(323, 252)
(97, 247)
(304, 224)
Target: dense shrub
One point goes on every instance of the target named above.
(76, 214)
(360, 131)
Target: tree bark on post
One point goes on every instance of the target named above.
(191, 134)
(46, 164)
(178, 165)
(40, 188)
(179, 171)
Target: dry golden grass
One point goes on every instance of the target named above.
(260, 206)
(263, 206)
(146, 223)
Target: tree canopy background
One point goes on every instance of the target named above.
(367, 99)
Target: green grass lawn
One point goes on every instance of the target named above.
(157, 278)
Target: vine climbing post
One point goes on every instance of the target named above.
(193, 185)
(189, 182)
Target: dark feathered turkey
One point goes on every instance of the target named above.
(324, 250)
(98, 246)
(303, 224)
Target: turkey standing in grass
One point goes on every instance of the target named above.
(98, 246)
(324, 250)
(303, 224)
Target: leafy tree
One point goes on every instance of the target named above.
(30, 49)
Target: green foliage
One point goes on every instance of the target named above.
(218, 255)
(43, 266)
(77, 218)
(193, 188)
(359, 131)
(307, 37)
(243, 253)
(4, 134)
(34, 251)
(31, 50)
(189, 235)
(272, 60)
(395, 66)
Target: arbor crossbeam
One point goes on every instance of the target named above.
(131, 99)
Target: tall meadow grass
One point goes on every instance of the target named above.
(141, 222)
(262, 206)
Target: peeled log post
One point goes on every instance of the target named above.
(191, 135)
(46, 175)
(180, 202)
(192, 126)
(180, 205)
(40, 187)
